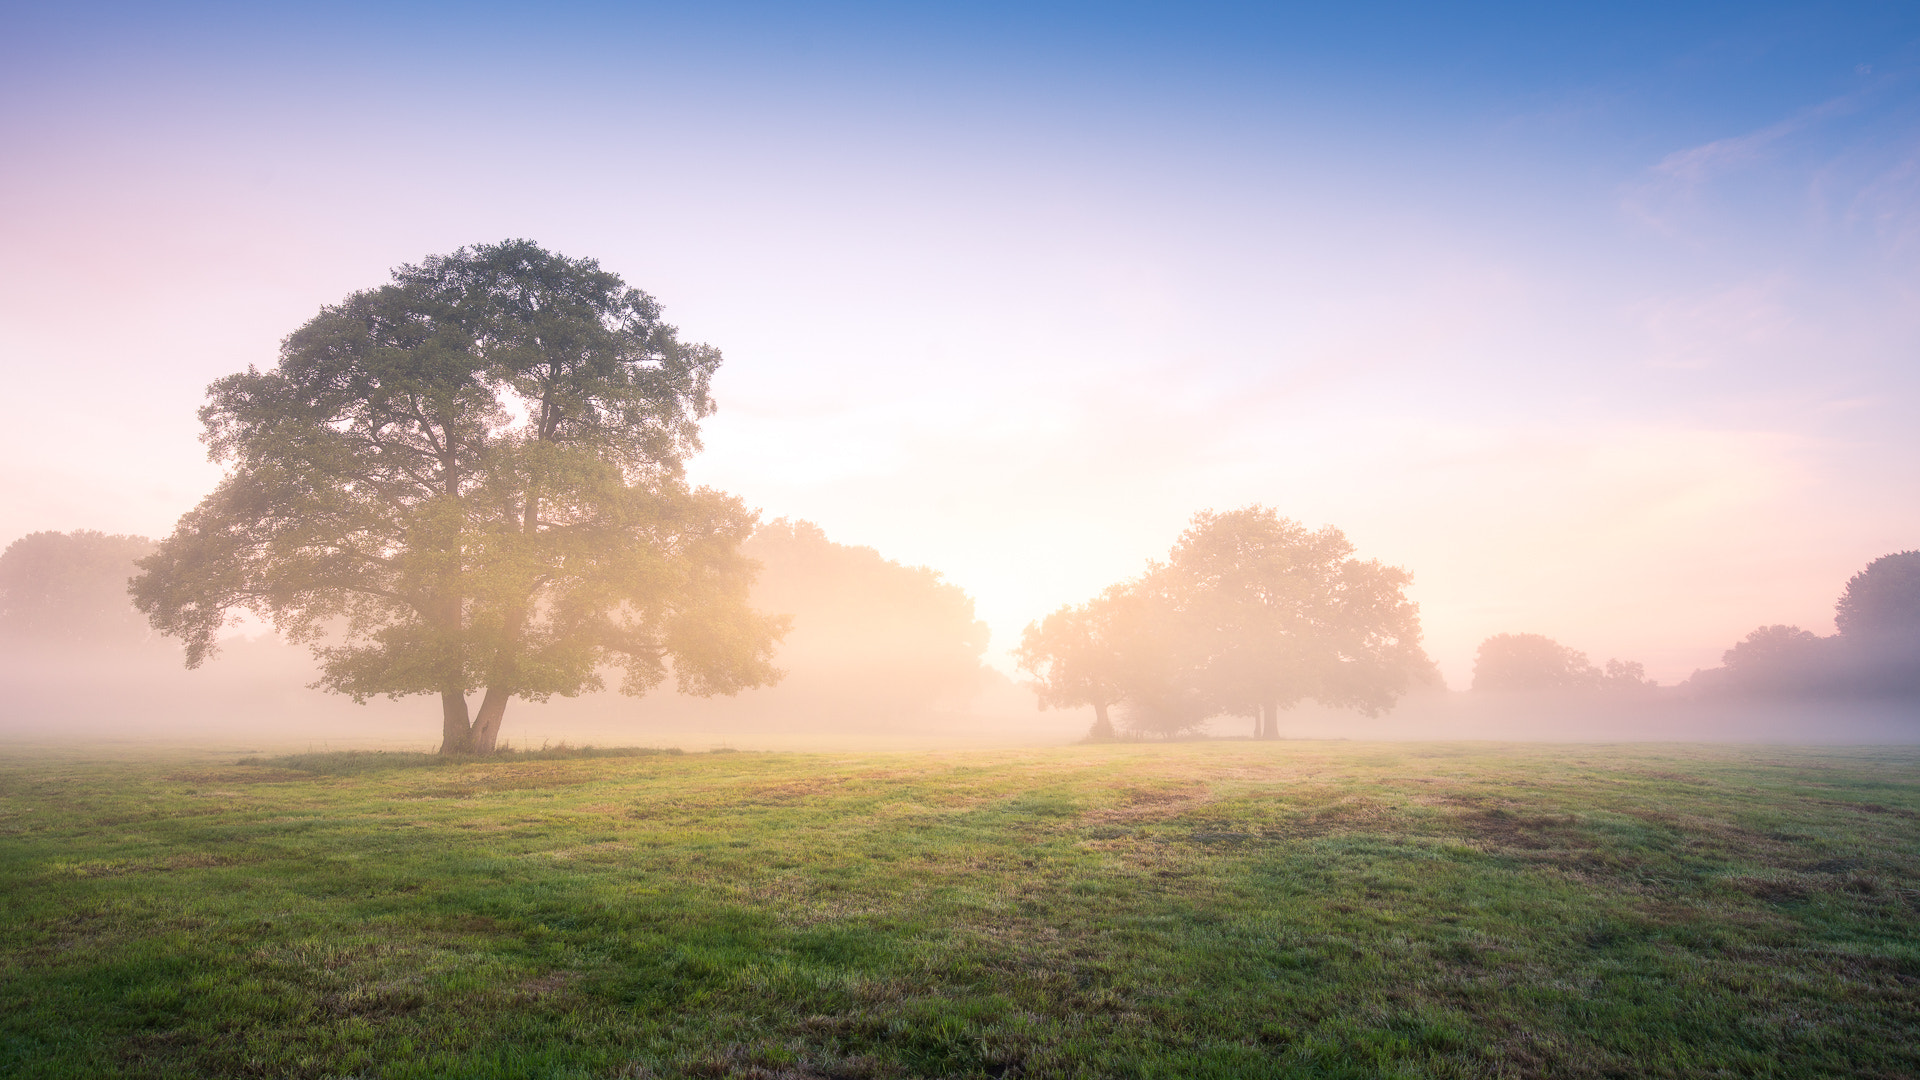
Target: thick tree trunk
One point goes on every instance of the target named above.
(1102, 727)
(1272, 722)
(486, 725)
(1259, 721)
(493, 707)
(456, 734)
(456, 728)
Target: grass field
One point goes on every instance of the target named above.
(1224, 909)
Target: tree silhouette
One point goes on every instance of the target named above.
(1531, 662)
(472, 479)
(867, 631)
(1875, 653)
(1251, 614)
(71, 589)
(1626, 675)
(1287, 614)
(1879, 621)
(1536, 663)
(1780, 658)
(1883, 600)
(1771, 648)
(1081, 655)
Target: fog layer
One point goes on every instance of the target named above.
(885, 655)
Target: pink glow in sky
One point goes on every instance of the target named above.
(1625, 355)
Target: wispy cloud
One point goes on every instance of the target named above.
(1700, 164)
(1657, 195)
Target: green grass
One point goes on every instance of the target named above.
(1190, 910)
(354, 762)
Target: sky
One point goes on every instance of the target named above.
(1603, 323)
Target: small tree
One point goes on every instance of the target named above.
(472, 479)
(1771, 648)
(1078, 657)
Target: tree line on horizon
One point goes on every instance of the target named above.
(875, 638)
(1874, 652)
(472, 480)
(1252, 614)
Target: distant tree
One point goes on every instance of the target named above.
(472, 479)
(866, 629)
(1251, 614)
(1287, 614)
(1531, 662)
(1879, 621)
(1882, 601)
(1536, 663)
(1779, 660)
(1131, 647)
(1163, 654)
(1076, 657)
(1626, 675)
(71, 589)
(1772, 648)
(1875, 654)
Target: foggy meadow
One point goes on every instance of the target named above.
(1281, 846)
(883, 655)
(927, 541)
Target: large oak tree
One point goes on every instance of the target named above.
(472, 479)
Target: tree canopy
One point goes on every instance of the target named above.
(71, 589)
(1530, 662)
(868, 633)
(1251, 614)
(1771, 648)
(1289, 614)
(1883, 600)
(472, 478)
(1536, 663)
(1876, 652)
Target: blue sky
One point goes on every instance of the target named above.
(1601, 322)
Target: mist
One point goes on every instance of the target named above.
(1019, 541)
(880, 655)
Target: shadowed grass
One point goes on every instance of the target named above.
(1230, 910)
(354, 762)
